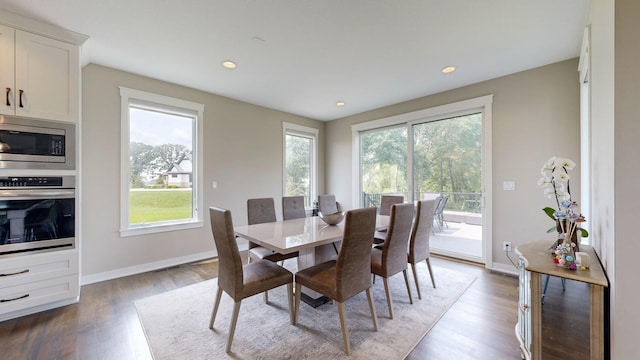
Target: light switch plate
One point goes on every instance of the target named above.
(509, 185)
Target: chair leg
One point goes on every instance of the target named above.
(433, 281)
(215, 308)
(386, 290)
(266, 297)
(406, 282)
(343, 325)
(232, 328)
(373, 309)
(292, 310)
(297, 304)
(415, 278)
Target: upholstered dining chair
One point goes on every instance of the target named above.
(385, 209)
(293, 207)
(387, 200)
(390, 258)
(347, 276)
(238, 281)
(327, 204)
(419, 240)
(262, 211)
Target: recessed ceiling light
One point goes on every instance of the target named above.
(448, 69)
(340, 103)
(229, 64)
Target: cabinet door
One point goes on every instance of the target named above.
(6, 70)
(47, 77)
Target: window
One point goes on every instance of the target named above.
(161, 163)
(300, 162)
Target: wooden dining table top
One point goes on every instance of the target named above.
(287, 236)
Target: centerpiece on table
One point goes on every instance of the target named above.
(555, 182)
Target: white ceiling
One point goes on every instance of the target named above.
(302, 56)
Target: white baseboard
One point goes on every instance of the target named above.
(142, 268)
(504, 268)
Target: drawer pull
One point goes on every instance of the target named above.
(8, 92)
(14, 299)
(16, 273)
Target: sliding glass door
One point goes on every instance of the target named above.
(446, 165)
(440, 152)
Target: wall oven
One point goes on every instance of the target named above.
(36, 144)
(37, 213)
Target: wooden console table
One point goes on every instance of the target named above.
(535, 260)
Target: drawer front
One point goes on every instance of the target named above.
(37, 267)
(32, 294)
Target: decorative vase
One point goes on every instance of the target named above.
(562, 234)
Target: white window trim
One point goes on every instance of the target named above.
(480, 104)
(126, 96)
(305, 131)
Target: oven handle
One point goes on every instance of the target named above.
(36, 194)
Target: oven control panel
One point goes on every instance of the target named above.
(32, 181)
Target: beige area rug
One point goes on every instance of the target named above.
(176, 322)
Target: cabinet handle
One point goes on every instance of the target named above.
(14, 299)
(20, 92)
(16, 273)
(8, 92)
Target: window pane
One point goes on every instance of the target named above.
(298, 155)
(161, 169)
(384, 163)
(447, 160)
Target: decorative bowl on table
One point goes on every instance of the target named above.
(332, 219)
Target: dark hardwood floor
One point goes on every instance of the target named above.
(104, 324)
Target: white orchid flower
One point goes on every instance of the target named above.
(567, 164)
(561, 176)
(545, 181)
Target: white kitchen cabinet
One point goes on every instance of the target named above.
(35, 281)
(40, 76)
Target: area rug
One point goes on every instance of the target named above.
(176, 322)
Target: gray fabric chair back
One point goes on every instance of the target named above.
(387, 200)
(293, 207)
(229, 262)
(261, 211)
(419, 240)
(353, 267)
(394, 250)
(327, 204)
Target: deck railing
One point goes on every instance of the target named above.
(458, 201)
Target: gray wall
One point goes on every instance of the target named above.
(242, 152)
(615, 79)
(626, 178)
(536, 114)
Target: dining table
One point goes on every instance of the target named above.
(313, 239)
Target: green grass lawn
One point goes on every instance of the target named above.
(159, 205)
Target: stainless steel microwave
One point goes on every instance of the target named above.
(36, 144)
